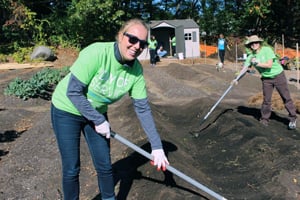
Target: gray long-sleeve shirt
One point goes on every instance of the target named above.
(75, 93)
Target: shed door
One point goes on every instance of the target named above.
(191, 44)
(180, 43)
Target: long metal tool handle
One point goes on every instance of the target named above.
(220, 99)
(212, 108)
(169, 168)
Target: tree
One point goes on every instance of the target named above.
(286, 16)
(80, 22)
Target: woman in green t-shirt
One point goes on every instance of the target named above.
(263, 58)
(102, 74)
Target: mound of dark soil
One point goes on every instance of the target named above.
(229, 152)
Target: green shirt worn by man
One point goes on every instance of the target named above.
(173, 41)
(152, 44)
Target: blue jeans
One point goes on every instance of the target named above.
(67, 128)
(152, 56)
(222, 56)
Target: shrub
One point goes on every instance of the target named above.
(40, 84)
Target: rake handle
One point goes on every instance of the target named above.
(220, 99)
(168, 167)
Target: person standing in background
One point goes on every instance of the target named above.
(221, 49)
(152, 50)
(102, 74)
(173, 44)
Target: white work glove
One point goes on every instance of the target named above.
(254, 62)
(103, 129)
(159, 159)
(234, 82)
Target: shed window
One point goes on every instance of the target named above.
(188, 36)
(194, 36)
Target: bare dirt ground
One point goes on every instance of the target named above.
(230, 153)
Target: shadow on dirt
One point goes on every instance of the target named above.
(8, 136)
(255, 113)
(126, 171)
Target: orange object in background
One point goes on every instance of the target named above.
(208, 49)
(290, 53)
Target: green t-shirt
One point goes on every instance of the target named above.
(107, 80)
(152, 44)
(265, 54)
(173, 41)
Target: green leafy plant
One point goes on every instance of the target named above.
(39, 85)
(22, 55)
(3, 58)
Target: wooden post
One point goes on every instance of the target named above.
(297, 64)
(282, 45)
(171, 53)
(205, 51)
(236, 56)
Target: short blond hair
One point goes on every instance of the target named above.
(129, 23)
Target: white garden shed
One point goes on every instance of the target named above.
(186, 32)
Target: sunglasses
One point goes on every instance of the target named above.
(133, 40)
(253, 43)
